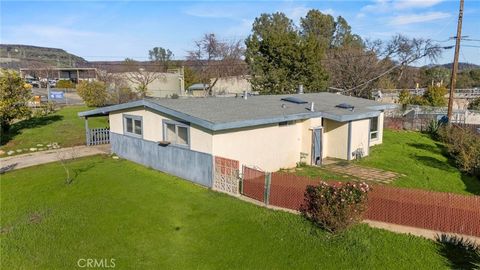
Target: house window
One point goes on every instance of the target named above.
(132, 125)
(374, 128)
(176, 133)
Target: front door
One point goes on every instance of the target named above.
(317, 146)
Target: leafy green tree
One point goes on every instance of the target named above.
(65, 84)
(437, 75)
(14, 97)
(435, 96)
(280, 58)
(474, 105)
(93, 93)
(190, 76)
(404, 97)
(161, 56)
(320, 26)
(475, 75)
(343, 35)
(464, 80)
(418, 100)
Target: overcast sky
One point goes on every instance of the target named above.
(114, 30)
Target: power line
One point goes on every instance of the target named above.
(470, 39)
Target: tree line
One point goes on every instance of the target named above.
(320, 53)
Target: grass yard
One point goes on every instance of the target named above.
(63, 127)
(422, 160)
(145, 219)
(323, 173)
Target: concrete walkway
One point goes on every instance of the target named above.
(36, 158)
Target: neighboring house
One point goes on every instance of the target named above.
(73, 74)
(231, 85)
(165, 84)
(180, 136)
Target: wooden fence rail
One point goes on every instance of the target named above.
(96, 136)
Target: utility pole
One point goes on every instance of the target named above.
(453, 79)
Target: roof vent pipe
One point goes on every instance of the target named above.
(312, 107)
(245, 95)
(300, 89)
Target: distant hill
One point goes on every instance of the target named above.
(461, 66)
(17, 56)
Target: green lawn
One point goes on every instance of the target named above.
(323, 173)
(422, 161)
(145, 219)
(63, 127)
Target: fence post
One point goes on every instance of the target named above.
(241, 176)
(268, 180)
(214, 172)
(87, 131)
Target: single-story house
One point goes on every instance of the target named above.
(181, 136)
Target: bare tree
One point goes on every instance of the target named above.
(118, 89)
(215, 59)
(140, 76)
(353, 66)
(356, 70)
(64, 156)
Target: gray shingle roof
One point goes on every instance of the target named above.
(234, 112)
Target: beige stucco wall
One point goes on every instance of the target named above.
(200, 139)
(165, 85)
(379, 140)
(231, 85)
(269, 147)
(359, 138)
(335, 139)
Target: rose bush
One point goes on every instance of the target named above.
(335, 207)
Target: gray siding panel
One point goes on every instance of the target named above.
(191, 165)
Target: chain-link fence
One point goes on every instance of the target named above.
(438, 211)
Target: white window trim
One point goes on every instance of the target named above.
(374, 132)
(177, 124)
(133, 117)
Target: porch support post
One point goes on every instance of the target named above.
(349, 141)
(87, 131)
(369, 126)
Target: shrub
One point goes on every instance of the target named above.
(14, 98)
(65, 84)
(335, 208)
(121, 94)
(44, 109)
(463, 146)
(463, 253)
(474, 104)
(93, 93)
(404, 98)
(435, 96)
